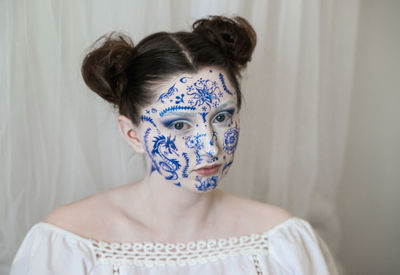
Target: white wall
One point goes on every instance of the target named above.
(369, 197)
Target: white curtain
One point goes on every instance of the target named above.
(60, 141)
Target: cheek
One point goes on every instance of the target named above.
(163, 152)
(230, 139)
(193, 144)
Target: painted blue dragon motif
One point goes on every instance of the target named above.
(165, 149)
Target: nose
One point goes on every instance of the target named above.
(210, 150)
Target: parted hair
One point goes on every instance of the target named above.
(125, 75)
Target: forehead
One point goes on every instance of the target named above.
(202, 91)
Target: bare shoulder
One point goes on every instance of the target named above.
(255, 216)
(81, 217)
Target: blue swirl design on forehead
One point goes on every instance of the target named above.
(149, 119)
(176, 108)
(168, 94)
(184, 79)
(221, 77)
(203, 94)
(207, 184)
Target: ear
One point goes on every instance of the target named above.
(130, 133)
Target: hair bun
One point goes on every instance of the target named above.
(104, 67)
(234, 36)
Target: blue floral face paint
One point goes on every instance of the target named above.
(191, 131)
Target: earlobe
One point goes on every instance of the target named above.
(130, 133)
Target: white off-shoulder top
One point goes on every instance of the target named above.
(292, 247)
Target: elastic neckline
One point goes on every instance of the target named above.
(268, 232)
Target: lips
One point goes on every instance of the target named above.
(208, 170)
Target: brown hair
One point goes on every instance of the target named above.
(123, 74)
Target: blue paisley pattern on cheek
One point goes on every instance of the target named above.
(207, 184)
(163, 150)
(184, 172)
(230, 140)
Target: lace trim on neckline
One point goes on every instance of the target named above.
(195, 252)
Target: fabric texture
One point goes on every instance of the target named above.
(292, 247)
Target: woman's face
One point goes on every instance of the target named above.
(192, 124)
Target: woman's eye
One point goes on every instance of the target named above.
(179, 125)
(223, 117)
(220, 118)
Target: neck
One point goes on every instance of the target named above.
(175, 213)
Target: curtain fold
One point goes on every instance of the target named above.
(60, 142)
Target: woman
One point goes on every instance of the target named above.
(178, 98)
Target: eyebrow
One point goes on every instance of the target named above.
(223, 105)
(172, 111)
